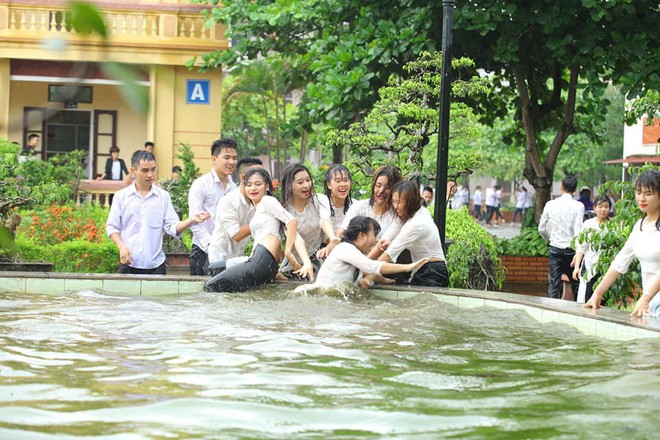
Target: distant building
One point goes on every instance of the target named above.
(53, 82)
(641, 144)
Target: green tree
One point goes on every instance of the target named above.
(405, 117)
(538, 52)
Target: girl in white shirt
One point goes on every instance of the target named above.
(644, 244)
(299, 199)
(262, 266)
(586, 257)
(334, 204)
(348, 261)
(419, 235)
(377, 206)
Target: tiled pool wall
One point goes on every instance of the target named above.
(605, 323)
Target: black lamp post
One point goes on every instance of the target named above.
(440, 210)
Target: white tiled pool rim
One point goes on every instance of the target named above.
(605, 323)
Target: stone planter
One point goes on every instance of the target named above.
(178, 263)
(25, 266)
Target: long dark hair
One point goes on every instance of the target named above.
(359, 224)
(287, 182)
(410, 193)
(329, 175)
(393, 175)
(649, 180)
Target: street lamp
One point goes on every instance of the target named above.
(440, 211)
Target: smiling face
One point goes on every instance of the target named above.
(382, 190)
(255, 188)
(224, 162)
(340, 185)
(301, 187)
(648, 200)
(366, 241)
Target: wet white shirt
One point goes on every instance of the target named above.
(346, 263)
(419, 235)
(362, 207)
(141, 221)
(561, 221)
(233, 211)
(309, 225)
(324, 207)
(268, 216)
(645, 246)
(205, 193)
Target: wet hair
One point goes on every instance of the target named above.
(649, 180)
(569, 183)
(410, 194)
(329, 175)
(247, 162)
(140, 156)
(264, 176)
(287, 181)
(602, 199)
(219, 144)
(359, 224)
(114, 149)
(393, 175)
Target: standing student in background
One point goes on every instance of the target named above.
(205, 193)
(334, 204)
(149, 146)
(115, 167)
(521, 201)
(476, 203)
(427, 196)
(139, 215)
(586, 257)
(560, 222)
(644, 244)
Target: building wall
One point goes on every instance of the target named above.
(641, 139)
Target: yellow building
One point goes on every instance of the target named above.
(58, 84)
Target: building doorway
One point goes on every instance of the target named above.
(67, 130)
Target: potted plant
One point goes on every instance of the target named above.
(14, 193)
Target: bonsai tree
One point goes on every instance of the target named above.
(14, 193)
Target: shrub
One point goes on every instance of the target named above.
(472, 258)
(60, 223)
(73, 256)
(528, 244)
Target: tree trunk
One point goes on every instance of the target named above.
(303, 145)
(278, 170)
(336, 154)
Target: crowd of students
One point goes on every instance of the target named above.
(319, 238)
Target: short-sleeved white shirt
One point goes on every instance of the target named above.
(476, 197)
(268, 216)
(324, 207)
(491, 199)
(362, 207)
(346, 263)
(233, 211)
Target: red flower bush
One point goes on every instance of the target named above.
(59, 223)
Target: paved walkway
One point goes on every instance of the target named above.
(504, 230)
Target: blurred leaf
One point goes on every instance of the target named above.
(86, 19)
(136, 95)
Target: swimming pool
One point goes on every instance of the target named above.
(271, 364)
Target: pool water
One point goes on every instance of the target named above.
(273, 364)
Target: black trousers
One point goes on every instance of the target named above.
(126, 269)
(432, 274)
(260, 268)
(199, 261)
(490, 210)
(559, 263)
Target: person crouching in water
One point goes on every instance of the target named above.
(348, 260)
(262, 266)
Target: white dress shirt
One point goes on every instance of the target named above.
(419, 235)
(269, 215)
(491, 199)
(233, 211)
(141, 221)
(205, 193)
(476, 197)
(561, 221)
(362, 207)
(346, 263)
